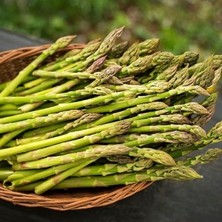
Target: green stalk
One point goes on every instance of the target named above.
(118, 49)
(172, 137)
(47, 84)
(60, 43)
(39, 121)
(213, 136)
(130, 55)
(96, 152)
(58, 89)
(52, 141)
(90, 48)
(146, 99)
(42, 130)
(9, 136)
(148, 46)
(21, 174)
(86, 118)
(9, 113)
(152, 174)
(113, 168)
(51, 182)
(64, 74)
(122, 114)
(23, 177)
(5, 172)
(209, 156)
(34, 83)
(66, 106)
(194, 129)
(8, 107)
(118, 129)
(189, 108)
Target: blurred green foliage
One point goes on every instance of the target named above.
(181, 25)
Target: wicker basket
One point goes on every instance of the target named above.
(10, 63)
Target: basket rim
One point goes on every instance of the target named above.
(32, 50)
(75, 202)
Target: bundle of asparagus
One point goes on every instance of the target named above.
(108, 114)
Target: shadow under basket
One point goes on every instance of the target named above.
(11, 62)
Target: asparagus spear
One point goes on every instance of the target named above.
(104, 75)
(8, 107)
(64, 74)
(60, 43)
(9, 113)
(168, 73)
(130, 55)
(13, 179)
(118, 49)
(18, 175)
(138, 66)
(158, 156)
(96, 152)
(42, 130)
(173, 118)
(23, 177)
(145, 99)
(213, 136)
(38, 121)
(107, 44)
(5, 172)
(90, 48)
(85, 118)
(152, 174)
(34, 83)
(144, 139)
(217, 77)
(52, 181)
(117, 129)
(179, 77)
(151, 88)
(96, 65)
(9, 136)
(190, 58)
(20, 178)
(209, 103)
(67, 106)
(194, 129)
(113, 168)
(207, 157)
(61, 88)
(55, 96)
(122, 114)
(189, 108)
(148, 46)
(69, 53)
(46, 84)
(103, 49)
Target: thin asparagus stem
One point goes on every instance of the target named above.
(119, 128)
(207, 157)
(51, 182)
(146, 99)
(67, 106)
(60, 43)
(152, 174)
(96, 152)
(39, 121)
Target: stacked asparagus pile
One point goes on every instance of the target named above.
(108, 114)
